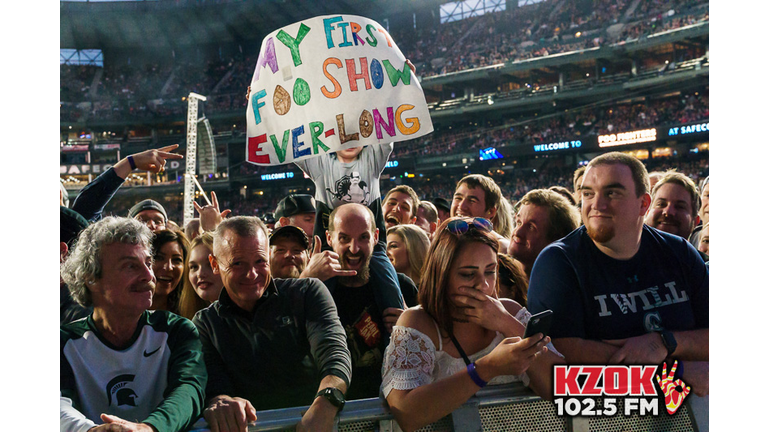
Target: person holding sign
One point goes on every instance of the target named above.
(331, 94)
(352, 176)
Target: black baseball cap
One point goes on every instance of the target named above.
(295, 204)
(293, 232)
(268, 218)
(442, 203)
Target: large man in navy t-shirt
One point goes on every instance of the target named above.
(623, 292)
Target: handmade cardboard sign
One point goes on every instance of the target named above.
(327, 84)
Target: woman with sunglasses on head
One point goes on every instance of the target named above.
(461, 336)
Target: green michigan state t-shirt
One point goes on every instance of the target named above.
(159, 378)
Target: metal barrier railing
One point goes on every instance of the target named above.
(511, 407)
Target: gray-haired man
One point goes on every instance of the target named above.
(268, 343)
(123, 361)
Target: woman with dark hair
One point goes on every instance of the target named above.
(170, 255)
(461, 336)
(202, 287)
(512, 281)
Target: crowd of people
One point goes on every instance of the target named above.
(514, 184)
(537, 30)
(572, 124)
(414, 290)
(374, 292)
(154, 90)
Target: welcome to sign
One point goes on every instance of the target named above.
(327, 84)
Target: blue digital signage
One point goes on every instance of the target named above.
(277, 176)
(490, 153)
(689, 129)
(563, 145)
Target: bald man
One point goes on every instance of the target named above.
(361, 299)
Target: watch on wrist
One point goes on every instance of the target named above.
(669, 341)
(334, 396)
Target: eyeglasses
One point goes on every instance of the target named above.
(461, 226)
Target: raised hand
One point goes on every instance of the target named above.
(210, 215)
(154, 160)
(673, 398)
(324, 264)
(410, 65)
(148, 160)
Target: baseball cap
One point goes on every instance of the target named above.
(268, 218)
(147, 204)
(293, 232)
(442, 203)
(295, 204)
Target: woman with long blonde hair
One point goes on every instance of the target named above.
(406, 247)
(202, 287)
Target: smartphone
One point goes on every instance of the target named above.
(538, 323)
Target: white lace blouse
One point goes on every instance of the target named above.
(411, 359)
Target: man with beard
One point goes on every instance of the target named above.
(623, 292)
(359, 299)
(288, 254)
(674, 205)
(124, 367)
(543, 217)
(399, 206)
(268, 343)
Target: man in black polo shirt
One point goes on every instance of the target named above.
(268, 343)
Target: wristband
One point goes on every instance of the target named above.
(130, 161)
(679, 370)
(475, 377)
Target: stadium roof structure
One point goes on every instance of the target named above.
(172, 24)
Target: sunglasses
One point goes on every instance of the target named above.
(461, 226)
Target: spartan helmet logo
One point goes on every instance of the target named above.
(118, 387)
(126, 396)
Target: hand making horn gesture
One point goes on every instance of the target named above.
(324, 264)
(210, 215)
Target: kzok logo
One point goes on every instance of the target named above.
(576, 387)
(673, 397)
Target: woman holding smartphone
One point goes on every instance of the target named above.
(461, 337)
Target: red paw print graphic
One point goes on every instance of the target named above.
(673, 397)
